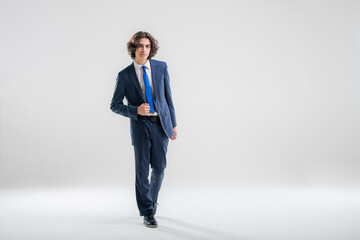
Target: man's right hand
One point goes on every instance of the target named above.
(143, 109)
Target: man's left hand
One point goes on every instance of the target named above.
(175, 134)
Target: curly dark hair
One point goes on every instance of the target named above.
(133, 43)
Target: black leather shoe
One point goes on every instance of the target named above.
(155, 207)
(150, 221)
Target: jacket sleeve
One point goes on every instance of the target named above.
(169, 97)
(117, 105)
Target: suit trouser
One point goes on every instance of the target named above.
(152, 152)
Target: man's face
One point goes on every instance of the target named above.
(143, 50)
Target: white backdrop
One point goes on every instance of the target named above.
(266, 92)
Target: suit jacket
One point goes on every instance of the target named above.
(128, 86)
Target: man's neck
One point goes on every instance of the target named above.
(140, 61)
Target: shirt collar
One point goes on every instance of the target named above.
(138, 66)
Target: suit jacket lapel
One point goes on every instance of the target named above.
(135, 80)
(155, 76)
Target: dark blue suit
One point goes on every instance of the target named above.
(150, 139)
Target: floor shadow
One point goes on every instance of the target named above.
(194, 231)
(176, 228)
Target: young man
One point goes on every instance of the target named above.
(145, 85)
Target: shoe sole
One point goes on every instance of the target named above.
(151, 226)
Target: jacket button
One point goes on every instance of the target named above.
(143, 120)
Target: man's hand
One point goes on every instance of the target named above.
(143, 109)
(175, 134)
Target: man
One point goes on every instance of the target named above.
(145, 85)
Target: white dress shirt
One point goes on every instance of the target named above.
(139, 73)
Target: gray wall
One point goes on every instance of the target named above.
(266, 92)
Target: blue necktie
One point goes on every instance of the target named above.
(148, 92)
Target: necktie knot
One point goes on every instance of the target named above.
(143, 67)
